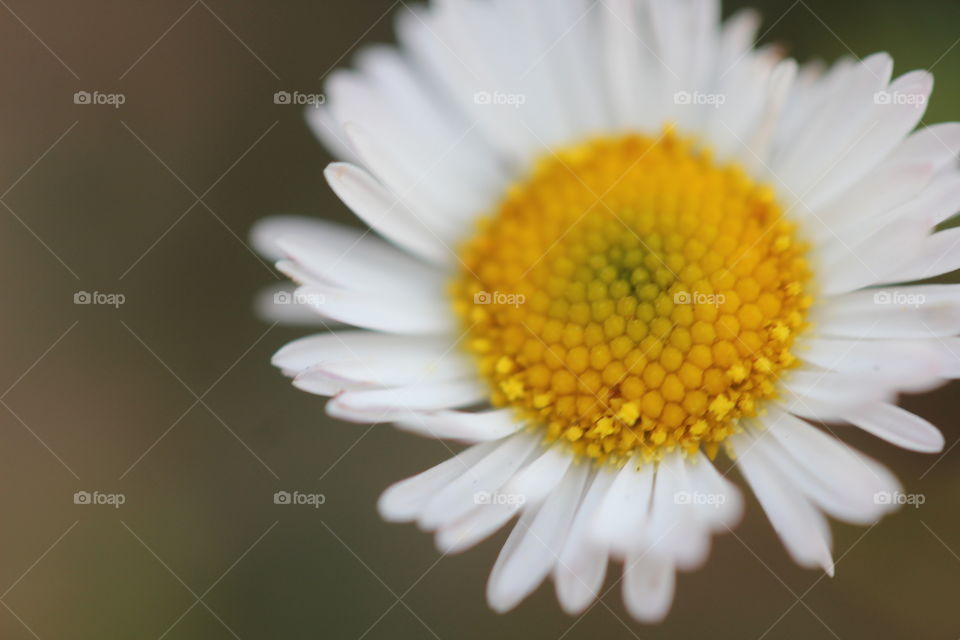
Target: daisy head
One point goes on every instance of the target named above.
(611, 244)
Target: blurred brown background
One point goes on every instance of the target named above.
(170, 399)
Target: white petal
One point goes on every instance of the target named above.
(266, 232)
(839, 124)
(381, 312)
(938, 254)
(890, 122)
(330, 134)
(522, 566)
(583, 562)
(802, 528)
(738, 35)
(321, 383)
(842, 481)
(938, 144)
(950, 352)
(465, 47)
(476, 526)
(440, 130)
(675, 530)
(815, 83)
(374, 359)
(404, 500)
(469, 426)
(878, 255)
(387, 214)
(295, 272)
(461, 495)
(435, 170)
(541, 476)
(278, 303)
(389, 166)
(926, 311)
(648, 585)
(935, 204)
(832, 388)
(888, 359)
(867, 206)
(630, 67)
(625, 508)
(522, 62)
(349, 344)
(404, 367)
(778, 89)
(396, 401)
(359, 260)
(809, 408)
(574, 63)
(725, 509)
(731, 126)
(896, 426)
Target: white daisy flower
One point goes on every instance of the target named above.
(616, 244)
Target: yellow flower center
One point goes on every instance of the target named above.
(633, 295)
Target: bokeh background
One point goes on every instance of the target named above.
(170, 399)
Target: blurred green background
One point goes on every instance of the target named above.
(171, 401)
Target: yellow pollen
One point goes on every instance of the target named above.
(721, 406)
(633, 296)
(629, 413)
(512, 388)
(738, 373)
(504, 365)
(541, 400)
(780, 332)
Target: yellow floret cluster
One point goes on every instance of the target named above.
(633, 295)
